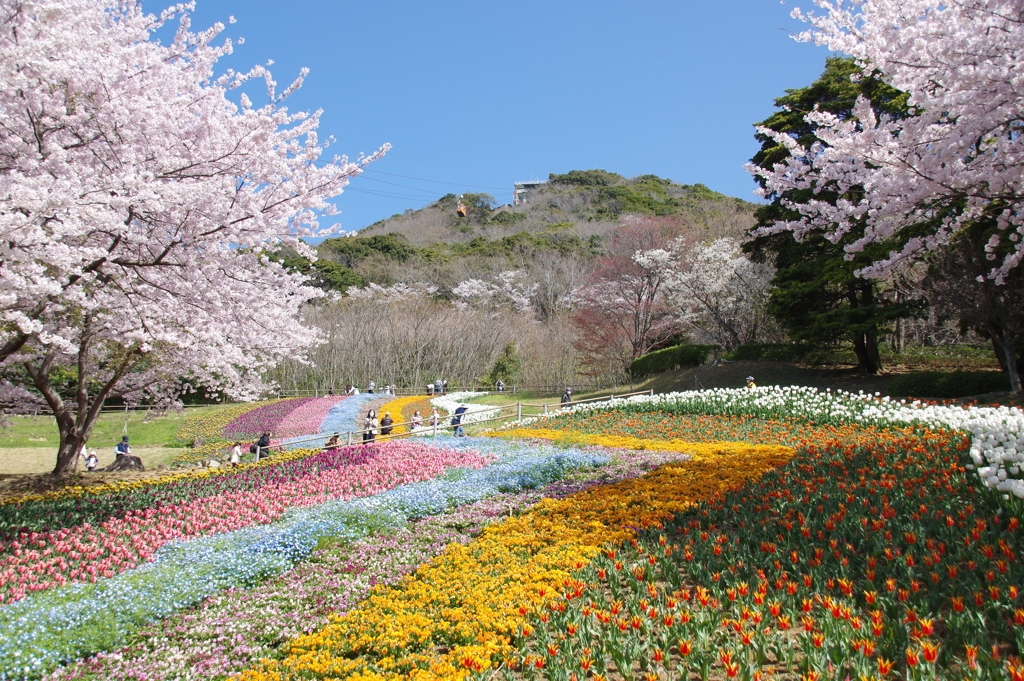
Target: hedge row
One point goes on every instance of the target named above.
(677, 356)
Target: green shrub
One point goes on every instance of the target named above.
(767, 352)
(948, 384)
(676, 356)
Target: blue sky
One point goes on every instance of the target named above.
(476, 95)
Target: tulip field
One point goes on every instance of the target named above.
(753, 534)
(288, 419)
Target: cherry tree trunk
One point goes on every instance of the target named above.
(75, 428)
(1005, 342)
(67, 452)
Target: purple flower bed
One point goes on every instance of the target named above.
(266, 419)
(230, 631)
(306, 420)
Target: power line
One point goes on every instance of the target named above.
(392, 195)
(422, 179)
(419, 179)
(403, 186)
(406, 157)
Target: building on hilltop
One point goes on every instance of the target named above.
(521, 193)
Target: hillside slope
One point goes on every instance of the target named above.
(562, 226)
(581, 204)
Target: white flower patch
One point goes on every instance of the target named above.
(474, 413)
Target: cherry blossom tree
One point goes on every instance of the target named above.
(507, 290)
(923, 178)
(138, 205)
(716, 290)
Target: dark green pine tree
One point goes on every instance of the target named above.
(815, 295)
(507, 366)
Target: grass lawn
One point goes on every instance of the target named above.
(507, 398)
(34, 460)
(41, 431)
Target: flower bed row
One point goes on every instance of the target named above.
(211, 426)
(997, 448)
(851, 562)
(475, 412)
(268, 418)
(86, 552)
(459, 612)
(287, 418)
(66, 623)
(342, 417)
(233, 630)
(398, 408)
(308, 419)
(56, 503)
(617, 441)
(23, 523)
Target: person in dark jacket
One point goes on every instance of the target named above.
(457, 420)
(385, 423)
(263, 447)
(566, 397)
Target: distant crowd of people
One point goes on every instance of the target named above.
(371, 387)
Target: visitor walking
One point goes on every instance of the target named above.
(750, 382)
(236, 455)
(91, 461)
(438, 387)
(566, 398)
(370, 426)
(416, 421)
(457, 420)
(500, 385)
(385, 423)
(370, 386)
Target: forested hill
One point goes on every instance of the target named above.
(568, 218)
(580, 202)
